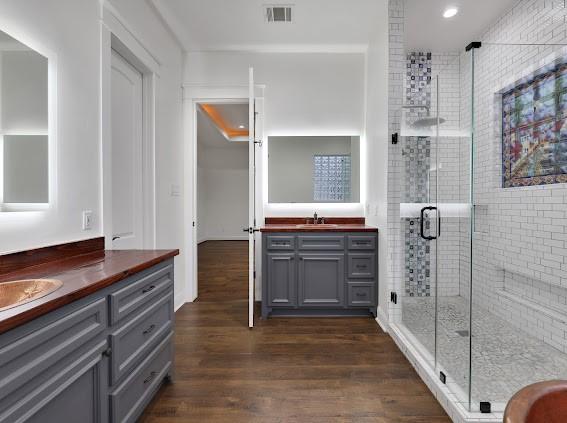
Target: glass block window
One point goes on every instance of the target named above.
(331, 178)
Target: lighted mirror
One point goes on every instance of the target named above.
(315, 169)
(24, 160)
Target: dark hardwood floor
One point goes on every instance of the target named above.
(285, 369)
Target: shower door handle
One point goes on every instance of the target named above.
(422, 224)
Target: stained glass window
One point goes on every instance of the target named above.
(534, 129)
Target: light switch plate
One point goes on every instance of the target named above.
(87, 220)
(175, 190)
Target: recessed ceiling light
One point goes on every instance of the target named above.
(241, 126)
(450, 12)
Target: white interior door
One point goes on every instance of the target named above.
(127, 172)
(251, 195)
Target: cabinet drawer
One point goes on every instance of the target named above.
(361, 242)
(139, 292)
(361, 265)
(314, 242)
(25, 358)
(136, 338)
(280, 242)
(130, 398)
(361, 294)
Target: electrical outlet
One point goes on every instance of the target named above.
(87, 220)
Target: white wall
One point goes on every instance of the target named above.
(306, 94)
(70, 31)
(222, 202)
(148, 27)
(377, 142)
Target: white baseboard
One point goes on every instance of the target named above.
(224, 238)
(382, 320)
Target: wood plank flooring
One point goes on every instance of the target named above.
(285, 369)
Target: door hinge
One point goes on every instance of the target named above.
(193, 223)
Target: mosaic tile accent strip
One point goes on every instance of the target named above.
(417, 162)
(417, 260)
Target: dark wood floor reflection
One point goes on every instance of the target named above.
(283, 370)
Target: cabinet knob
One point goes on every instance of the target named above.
(107, 352)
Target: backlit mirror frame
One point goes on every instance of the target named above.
(20, 35)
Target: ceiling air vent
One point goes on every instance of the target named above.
(278, 13)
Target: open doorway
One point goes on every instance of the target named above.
(222, 201)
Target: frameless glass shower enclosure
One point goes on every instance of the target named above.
(482, 269)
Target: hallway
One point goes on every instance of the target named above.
(284, 370)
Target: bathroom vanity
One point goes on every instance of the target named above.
(323, 269)
(97, 348)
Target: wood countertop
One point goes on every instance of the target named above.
(332, 224)
(83, 267)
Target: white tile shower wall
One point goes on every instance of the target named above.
(520, 254)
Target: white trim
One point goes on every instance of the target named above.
(192, 96)
(382, 320)
(284, 48)
(223, 238)
(120, 28)
(115, 35)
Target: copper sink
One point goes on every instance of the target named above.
(317, 225)
(15, 293)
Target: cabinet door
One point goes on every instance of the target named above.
(74, 391)
(281, 280)
(321, 280)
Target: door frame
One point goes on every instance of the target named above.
(193, 95)
(116, 35)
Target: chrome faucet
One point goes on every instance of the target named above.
(315, 219)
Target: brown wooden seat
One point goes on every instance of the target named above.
(543, 402)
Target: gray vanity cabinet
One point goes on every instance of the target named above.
(321, 279)
(326, 273)
(99, 359)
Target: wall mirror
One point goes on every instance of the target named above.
(314, 169)
(24, 139)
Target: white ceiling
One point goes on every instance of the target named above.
(240, 24)
(322, 25)
(427, 30)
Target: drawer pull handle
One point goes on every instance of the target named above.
(148, 289)
(359, 294)
(150, 377)
(360, 266)
(149, 329)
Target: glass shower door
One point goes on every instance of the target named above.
(418, 205)
(435, 215)
(451, 99)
